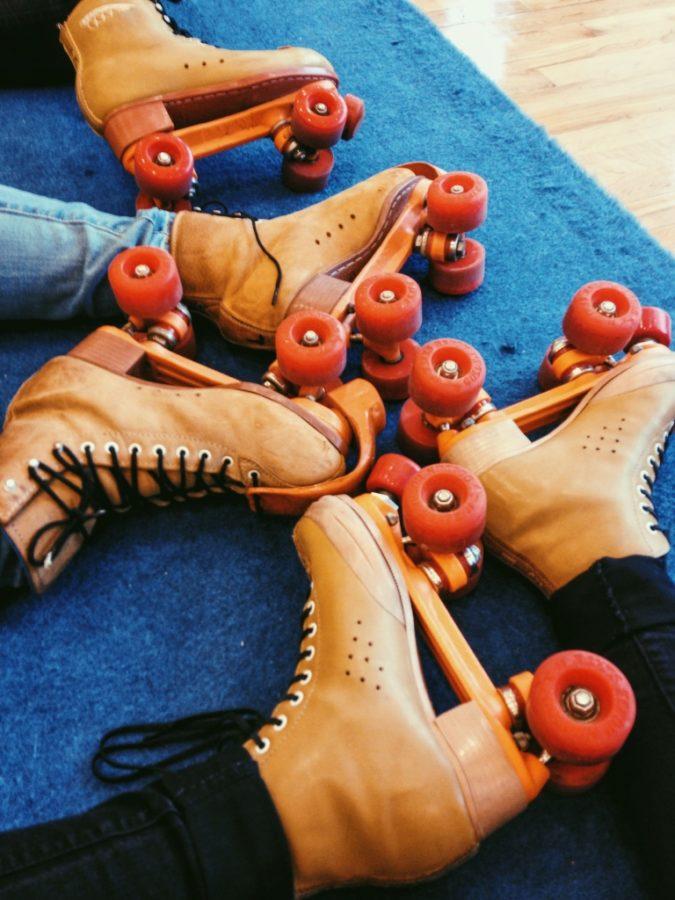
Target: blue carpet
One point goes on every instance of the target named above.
(168, 612)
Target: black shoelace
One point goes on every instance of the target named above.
(654, 462)
(117, 759)
(217, 208)
(94, 502)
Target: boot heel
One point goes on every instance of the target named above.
(127, 125)
(111, 349)
(493, 792)
(483, 445)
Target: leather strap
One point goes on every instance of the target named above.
(361, 405)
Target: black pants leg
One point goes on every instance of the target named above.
(208, 831)
(624, 609)
(30, 52)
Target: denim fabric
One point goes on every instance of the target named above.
(624, 609)
(54, 256)
(209, 831)
(12, 574)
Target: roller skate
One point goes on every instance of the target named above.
(409, 797)
(325, 276)
(163, 99)
(124, 420)
(591, 478)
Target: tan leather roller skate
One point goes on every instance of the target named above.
(582, 492)
(310, 282)
(370, 784)
(122, 420)
(163, 99)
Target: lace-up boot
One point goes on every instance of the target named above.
(80, 441)
(127, 54)
(582, 492)
(248, 276)
(369, 786)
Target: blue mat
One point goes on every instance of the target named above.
(171, 611)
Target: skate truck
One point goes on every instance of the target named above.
(303, 126)
(564, 723)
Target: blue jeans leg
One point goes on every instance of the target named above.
(625, 610)
(54, 255)
(207, 832)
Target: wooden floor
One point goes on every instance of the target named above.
(599, 75)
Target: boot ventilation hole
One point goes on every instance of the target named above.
(654, 461)
(204, 63)
(366, 660)
(329, 234)
(599, 446)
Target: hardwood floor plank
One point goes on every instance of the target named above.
(599, 75)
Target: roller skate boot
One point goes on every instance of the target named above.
(162, 99)
(582, 492)
(286, 278)
(122, 420)
(422, 775)
(392, 793)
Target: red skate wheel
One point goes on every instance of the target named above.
(356, 111)
(546, 376)
(307, 176)
(654, 325)
(417, 439)
(311, 348)
(570, 779)
(444, 508)
(457, 202)
(390, 379)
(391, 473)
(163, 167)
(581, 707)
(145, 282)
(602, 317)
(461, 276)
(319, 116)
(388, 308)
(447, 377)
